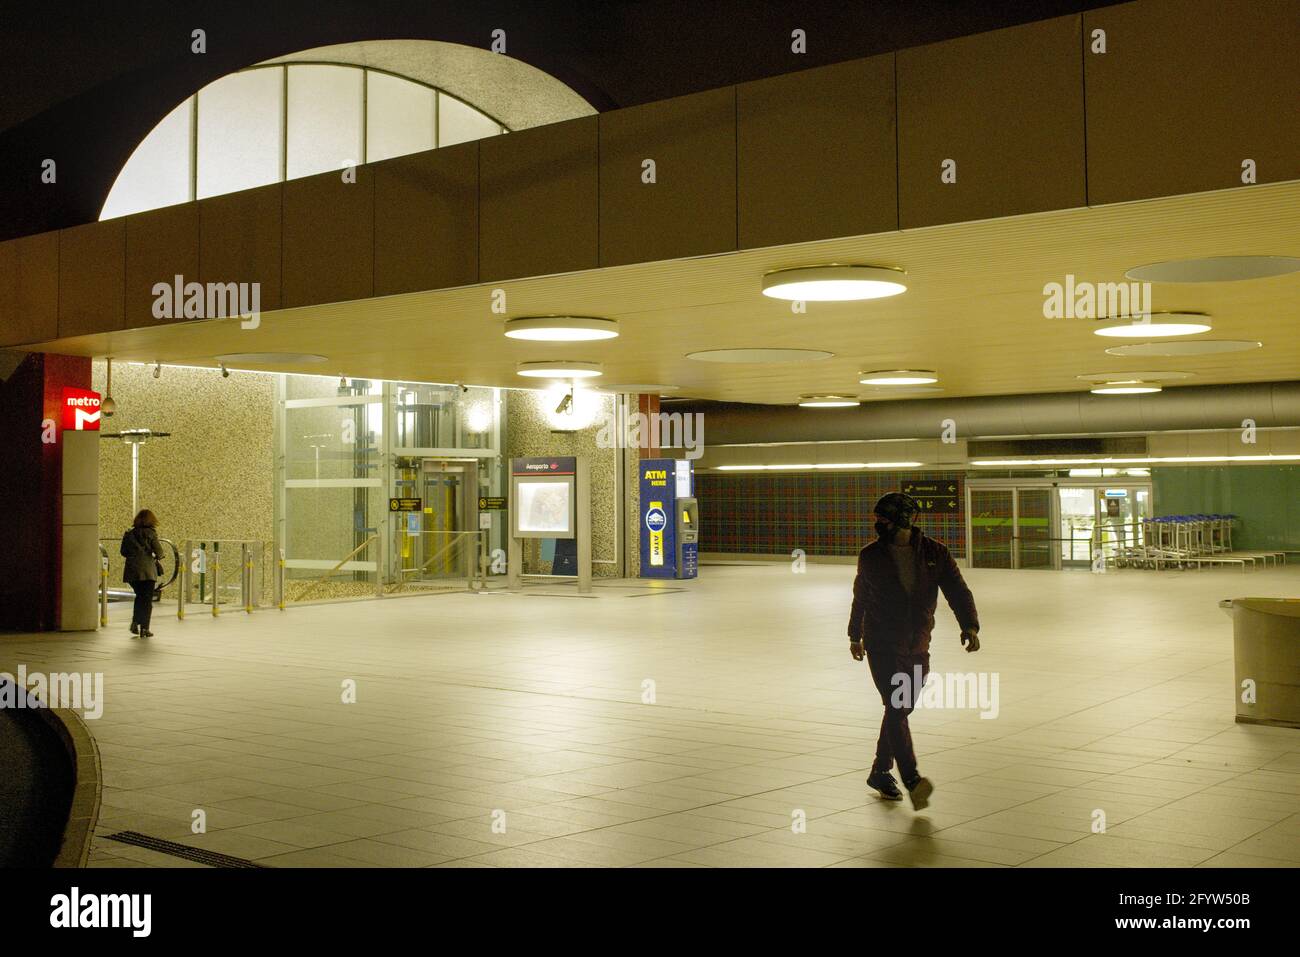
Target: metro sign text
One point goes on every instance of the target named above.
(80, 410)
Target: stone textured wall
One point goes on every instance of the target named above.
(214, 476)
(529, 428)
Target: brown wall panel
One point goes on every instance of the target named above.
(538, 201)
(426, 220)
(329, 238)
(817, 154)
(92, 267)
(1187, 90)
(29, 289)
(160, 245)
(691, 208)
(239, 240)
(1007, 106)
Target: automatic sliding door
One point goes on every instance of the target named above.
(1033, 528)
(992, 520)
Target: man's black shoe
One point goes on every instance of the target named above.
(883, 782)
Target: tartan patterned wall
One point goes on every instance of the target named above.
(824, 513)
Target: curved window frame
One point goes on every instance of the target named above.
(284, 67)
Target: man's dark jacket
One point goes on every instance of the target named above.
(883, 616)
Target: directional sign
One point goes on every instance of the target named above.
(494, 502)
(404, 504)
(942, 495)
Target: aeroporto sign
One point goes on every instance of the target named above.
(80, 410)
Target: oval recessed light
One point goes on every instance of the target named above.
(270, 358)
(1124, 376)
(1125, 389)
(1156, 325)
(899, 377)
(834, 283)
(559, 369)
(1215, 269)
(1191, 347)
(759, 355)
(561, 328)
(639, 388)
(827, 401)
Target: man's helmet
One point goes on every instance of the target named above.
(897, 507)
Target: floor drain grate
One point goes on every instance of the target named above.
(198, 855)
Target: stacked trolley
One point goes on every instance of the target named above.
(1186, 541)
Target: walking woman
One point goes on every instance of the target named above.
(143, 554)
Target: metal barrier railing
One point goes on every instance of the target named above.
(202, 568)
(436, 558)
(320, 582)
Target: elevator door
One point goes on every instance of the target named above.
(440, 538)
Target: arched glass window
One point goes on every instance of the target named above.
(283, 121)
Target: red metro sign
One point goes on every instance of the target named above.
(80, 410)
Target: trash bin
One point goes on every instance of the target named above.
(1266, 653)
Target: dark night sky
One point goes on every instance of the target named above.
(84, 82)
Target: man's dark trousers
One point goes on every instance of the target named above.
(895, 743)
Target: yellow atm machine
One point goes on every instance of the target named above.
(670, 519)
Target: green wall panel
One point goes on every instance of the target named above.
(1265, 499)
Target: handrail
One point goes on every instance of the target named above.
(454, 537)
(324, 578)
(176, 563)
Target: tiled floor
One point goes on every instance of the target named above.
(510, 730)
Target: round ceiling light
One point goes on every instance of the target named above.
(1215, 269)
(270, 358)
(834, 283)
(1156, 325)
(1125, 389)
(899, 377)
(759, 355)
(827, 401)
(559, 369)
(561, 328)
(1191, 347)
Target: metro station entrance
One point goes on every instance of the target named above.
(1053, 523)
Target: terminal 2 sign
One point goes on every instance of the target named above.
(80, 410)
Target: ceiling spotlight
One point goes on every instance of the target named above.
(556, 369)
(827, 401)
(898, 377)
(1156, 325)
(834, 283)
(561, 328)
(157, 369)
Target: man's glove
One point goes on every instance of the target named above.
(971, 640)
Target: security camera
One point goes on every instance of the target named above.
(225, 373)
(565, 404)
(107, 407)
(157, 369)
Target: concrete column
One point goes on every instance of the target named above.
(79, 574)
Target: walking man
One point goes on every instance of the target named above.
(895, 594)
